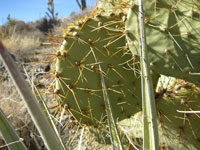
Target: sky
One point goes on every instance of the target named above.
(32, 10)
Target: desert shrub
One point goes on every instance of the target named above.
(47, 25)
(20, 27)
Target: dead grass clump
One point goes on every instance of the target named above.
(20, 43)
(20, 38)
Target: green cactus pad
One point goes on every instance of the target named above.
(179, 130)
(176, 130)
(109, 6)
(93, 42)
(173, 37)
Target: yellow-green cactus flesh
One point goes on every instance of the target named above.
(94, 42)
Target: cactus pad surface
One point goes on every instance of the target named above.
(89, 43)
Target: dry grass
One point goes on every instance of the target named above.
(15, 110)
(19, 43)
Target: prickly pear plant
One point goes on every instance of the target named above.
(176, 130)
(109, 6)
(101, 45)
(168, 28)
(179, 130)
(97, 41)
(172, 29)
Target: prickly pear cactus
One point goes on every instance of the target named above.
(179, 130)
(100, 41)
(173, 37)
(176, 130)
(93, 42)
(109, 6)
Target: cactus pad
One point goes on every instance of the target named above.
(173, 37)
(176, 130)
(89, 43)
